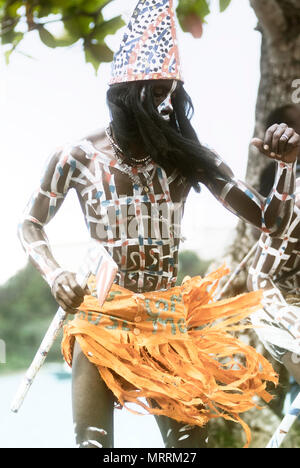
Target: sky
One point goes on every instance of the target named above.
(56, 97)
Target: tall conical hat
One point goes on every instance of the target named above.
(149, 49)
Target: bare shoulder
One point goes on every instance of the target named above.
(97, 141)
(89, 143)
(97, 138)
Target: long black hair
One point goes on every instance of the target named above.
(170, 144)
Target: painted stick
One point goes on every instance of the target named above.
(286, 424)
(99, 263)
(237, 271)
(40, 356)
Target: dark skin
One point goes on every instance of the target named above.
(273, 146)
(291, 252)
(101, 400)
(71, 300)
(92, 401)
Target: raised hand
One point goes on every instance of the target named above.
(281, 143)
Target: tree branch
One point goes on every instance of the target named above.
(271, 18)
(29, 17)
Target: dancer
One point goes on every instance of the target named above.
(153, 341)
(276, 269)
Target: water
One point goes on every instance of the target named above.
(45, 418)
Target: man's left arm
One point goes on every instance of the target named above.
(272, 214)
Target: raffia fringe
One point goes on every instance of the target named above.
(204, 372)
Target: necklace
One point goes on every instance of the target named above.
(128, 169)
(146, 159)
(118, 149)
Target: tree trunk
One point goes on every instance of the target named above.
(279, 24)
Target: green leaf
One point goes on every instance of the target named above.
(97, 54)
(46, 37)
(224, 4)
(105, 28)
(78, 25)
(45, 10)
(17, 37)
(198, 7)
(190, 8)
(64, 40)
(7, 55)
(90, 58)
(13, 7)
(91, 6)
(65, 4)
(11, 37)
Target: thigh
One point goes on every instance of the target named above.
(180, 435)
(93, 404)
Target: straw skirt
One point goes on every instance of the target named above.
(176, 347)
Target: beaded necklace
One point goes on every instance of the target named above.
(128, 169)
(118, 149)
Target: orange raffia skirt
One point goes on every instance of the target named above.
(175, 347)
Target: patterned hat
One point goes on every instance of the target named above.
(149, 49)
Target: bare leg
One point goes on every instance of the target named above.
(181, 435)
(292, 363)
(93, 404)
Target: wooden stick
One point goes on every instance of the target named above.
(237, 271)
(42, 353)
(99, 263)
(286, 424)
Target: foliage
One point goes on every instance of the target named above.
(82, 20)
(200, 8)
(191, 265)
(26, 310)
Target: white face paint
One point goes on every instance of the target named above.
(165, 109)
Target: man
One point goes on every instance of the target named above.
(132, 180)
(276, 269)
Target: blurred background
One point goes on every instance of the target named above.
(49, 96)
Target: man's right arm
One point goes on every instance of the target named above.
(42, 207)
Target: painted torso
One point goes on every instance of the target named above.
(136, 211)
(277, 260)
(138, 223)
(289, 274)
